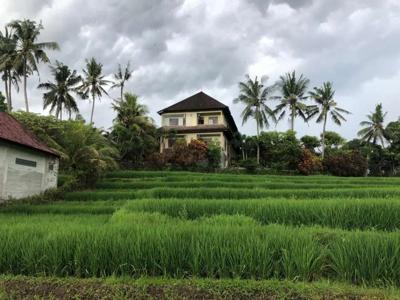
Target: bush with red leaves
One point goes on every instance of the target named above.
(348, 163)
(309, 163)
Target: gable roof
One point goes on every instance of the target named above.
(13, 131)
(201, 102)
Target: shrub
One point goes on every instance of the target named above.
(186, 156)
(250, 165)
(214, 156)
(309, 163)
(349, 163)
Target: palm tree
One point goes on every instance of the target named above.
(129, 109)
(7, 56)
(121, 77)
(93, 83)
(59, 92)
(28, 51)
(292, 97)
(254, 96)
(133, 131)
(325, 104)
(373, 128)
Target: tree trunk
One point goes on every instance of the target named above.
(292, 118)
(25, 92)
(122, 91)
(323, 138)
(60, 112)
(91, 115)
(6, 89)
(9, 91)
(258, 144)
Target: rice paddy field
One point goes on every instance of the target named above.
(312, 237)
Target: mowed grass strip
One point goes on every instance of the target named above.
(227, 193)
(337, 213)
(68, 208)
(146, 184)
(193, 176)
(142, 244)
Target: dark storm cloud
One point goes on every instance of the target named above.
(179, 47)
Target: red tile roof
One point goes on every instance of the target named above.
(13, 131)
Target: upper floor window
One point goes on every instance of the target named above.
(200, 120)
(213, 120)
(173, 121)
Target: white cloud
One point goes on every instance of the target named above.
(179, 47)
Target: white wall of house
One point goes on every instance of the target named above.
(25, 172)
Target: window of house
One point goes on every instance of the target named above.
(200, 120)
(173, 140)
(173, 121)
(208, 138)
(51, 166)
(212, 120)
(25, 162)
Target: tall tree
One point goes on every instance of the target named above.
(326, 106)
(121, 77)
(93, 84)
(254, 96)
(7, 56)
(133, 132)
(374, 129)
(59, 93)
(3, 104)
(293, 94)
(29, 52)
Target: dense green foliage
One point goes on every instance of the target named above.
(85, 152)
(133, 132)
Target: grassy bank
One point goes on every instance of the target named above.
(22, 287)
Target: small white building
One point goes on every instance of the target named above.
(27, 166)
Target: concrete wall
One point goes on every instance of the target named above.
(18, 180)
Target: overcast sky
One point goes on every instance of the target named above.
(179, 47)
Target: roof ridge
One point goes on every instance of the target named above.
(16, 132)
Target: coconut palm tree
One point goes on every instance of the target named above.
(121, 77)
(374, 129)
(133, 131)
(59, 93)
(11, 76)
(326, 105)
(93, 83)
(293, 94)
(254, 96)
(29, 52)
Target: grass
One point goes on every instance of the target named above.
(226, 193)
(152, 244)
(378, 214)
(213, 226)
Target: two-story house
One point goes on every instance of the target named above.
(199, 117)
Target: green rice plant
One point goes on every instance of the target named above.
(149, 184)
(68, 208)
(379, 214)
(226, 193)
(135, 244)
